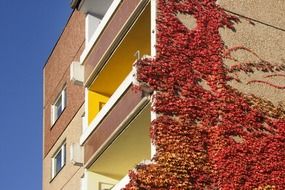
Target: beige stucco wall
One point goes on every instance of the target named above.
(263, 33)
(270, 12)
(260, 34)
(69, 177)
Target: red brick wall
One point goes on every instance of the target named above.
(56, 75)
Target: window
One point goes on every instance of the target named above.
(58, 106)
(58, 160)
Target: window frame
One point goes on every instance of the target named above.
(55, 115)
(62, 152)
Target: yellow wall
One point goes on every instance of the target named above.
(95, 103)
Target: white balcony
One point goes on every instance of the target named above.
(130, 147)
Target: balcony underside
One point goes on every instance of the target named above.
(128, 149)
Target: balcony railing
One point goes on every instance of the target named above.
(99, 29)
(107, 107)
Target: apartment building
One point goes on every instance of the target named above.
(92, 117)
(164, 94)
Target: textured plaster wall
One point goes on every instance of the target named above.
(262, 33)
(270, 12)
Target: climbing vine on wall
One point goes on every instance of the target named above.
(207, 134)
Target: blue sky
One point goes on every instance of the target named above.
(28, 31)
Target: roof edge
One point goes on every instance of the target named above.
(57, 41)
(74, 4)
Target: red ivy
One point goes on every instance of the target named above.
(207, 135)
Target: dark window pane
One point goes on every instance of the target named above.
(58, 162)
(58, 111)
(58, 107)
